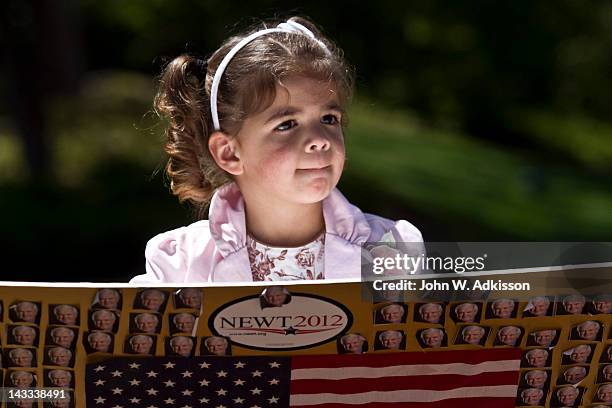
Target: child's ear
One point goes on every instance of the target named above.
(224, 149)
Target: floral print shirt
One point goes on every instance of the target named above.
(274, 264)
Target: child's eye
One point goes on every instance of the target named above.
(287, 125)
(330, 119)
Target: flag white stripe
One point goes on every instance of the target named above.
(403, 395)
(341, 373)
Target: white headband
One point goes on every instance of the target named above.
(287, 27)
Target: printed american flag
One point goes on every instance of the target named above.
(474, 379)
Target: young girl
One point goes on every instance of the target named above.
(256, 133)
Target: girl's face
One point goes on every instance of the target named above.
(293, 151)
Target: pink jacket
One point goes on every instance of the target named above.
(215, 250)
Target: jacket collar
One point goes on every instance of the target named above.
(228, 224)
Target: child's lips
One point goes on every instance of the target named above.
(316, 171)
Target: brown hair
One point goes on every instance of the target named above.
(247, 86)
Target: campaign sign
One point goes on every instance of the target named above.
(295, 322)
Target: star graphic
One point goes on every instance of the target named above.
(169, 401)
(187, 392)
(221, 374)
(169, 364)
(152, 391)
(169, 383)
(220, 406)
(116, 373)
(238, 382)
(117, 406)
(134, 365)
(151, 406)
(100, 400)
(151, 374)
(239, 400)
(256, 391)
(274, 381)
(204, 400)
(134, 382)
(221, 392)
(273, 400)
(99, 368)
(256, 373)
(99, 382)
(117, 390)
(204, 383)
(274, 364)
(134, 400)
(289, 331)
(255, 406)
(186, 406)
(204, 365)
(239, 364)
(186, 374)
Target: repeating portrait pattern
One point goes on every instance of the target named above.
(566, 340)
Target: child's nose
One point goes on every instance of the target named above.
(317, 142)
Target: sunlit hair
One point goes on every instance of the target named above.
(248, 86)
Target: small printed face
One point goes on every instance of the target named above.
(433, 338)
(181, 346)
(431, 313)
(24, 335)
(391, 340)
(567, 396)
(531, 397)
(60, 356)
(537, 358)
(62, 337)
(184, 322)
(60, 403)
(472, 334)
(580, 354)
(539, 306)
(573, 306)
(104, 320)
(146, 322)
(353, 344)
(99, 342)
(141, 344)
(466, 312)
(191, 297)
(108, 298)
(604, 393)
(603, 305)
(544, 337)
(24, 403)
(588, 330)
(152, 299)
(609, 353)
(392, 313)
(21, 379)
(21, 357)
(503, 309)
(509, 335)
(607, 373)
(60, 378)
(26, 312)
(275, 296)
(574, 375)
(536, 379)
(66, 314)
(216, 346)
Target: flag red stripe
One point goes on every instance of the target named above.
(448, 403)
(437, 382)
(393, 359)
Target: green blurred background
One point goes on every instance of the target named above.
(475, 120)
